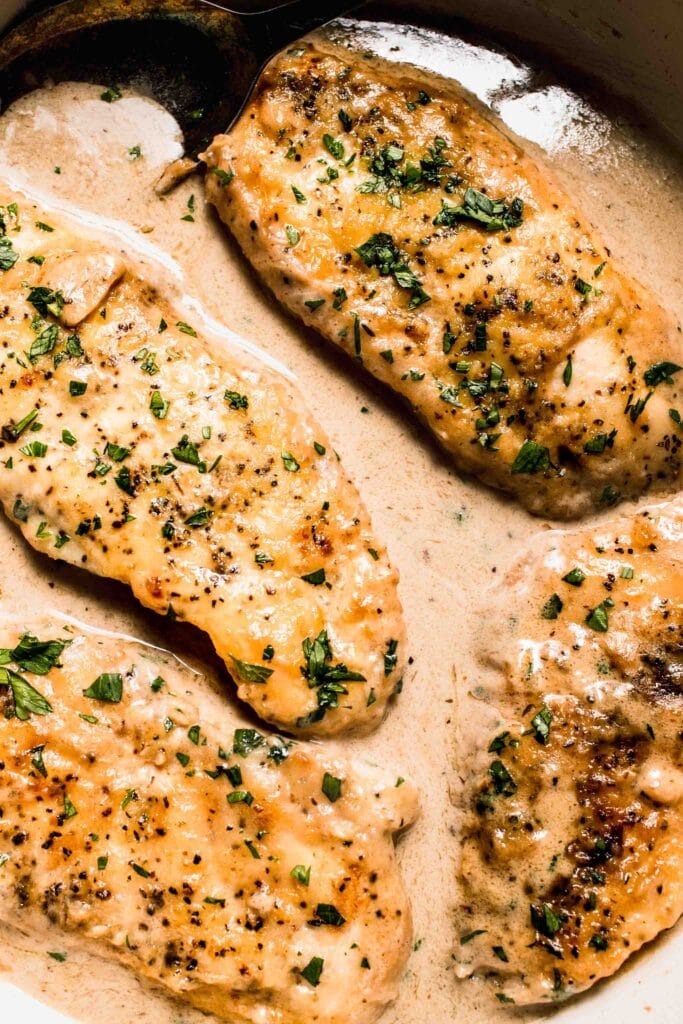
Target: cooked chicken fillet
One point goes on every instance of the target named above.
(132, 448)
(250, 876)
(409, 230)
(573, 848)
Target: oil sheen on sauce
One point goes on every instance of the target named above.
(450, 538)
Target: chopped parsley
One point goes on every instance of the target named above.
(609, 497)
(252, 849)
(493, 214)
(315, 578)
(45, 300)
(390, 657)
(552, 608)
(659, 373)
(20, 511)
(381, 251)
(545, 920)
(326, 913)
(37, 760)
(116, 452)
(159, 406)
(27, 700)
(224, 177)
(392, 176)
(30, 655)
(107, 688)
(531, 458)
(201, 517)
(8, 254)
(13, 431)
(597, 444)
(333, 146)
(598, 618)
(112, 94)
(332, 787)
(34, 449)
(567, 372)
(124, 482)
(503, 783)
(69, 809)
(251, 673)
(340, 298)
(540, 724)
(240, 796)
(327, 679)
(301, 874)
(186, 328)
(246, 740)
(187, 451)
(313, 970)
(574, 577)
(34, 655)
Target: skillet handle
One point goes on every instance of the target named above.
(272, 30)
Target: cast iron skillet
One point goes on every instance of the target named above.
(198, 58)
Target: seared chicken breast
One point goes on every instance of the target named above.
(386, 210)
(573, 842)
(134, 448)
(252, 877)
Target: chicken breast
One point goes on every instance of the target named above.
(573, 841)
(139, 449)
(252, 877)
(384, 209)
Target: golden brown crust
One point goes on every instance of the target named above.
(511, 304)
(172, 464)
(145, 821)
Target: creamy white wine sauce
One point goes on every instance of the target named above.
(449, 537)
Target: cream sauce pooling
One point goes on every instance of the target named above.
(449, 537)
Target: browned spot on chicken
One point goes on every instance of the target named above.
(573, 848)
(154, 587)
